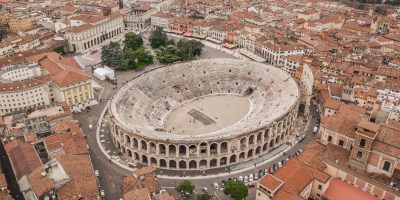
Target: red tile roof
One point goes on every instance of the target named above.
(340, 190)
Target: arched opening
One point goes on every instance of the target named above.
(271, 143)
(144, 145)
(127, 139)
(172, 164)
(203, 164)
(213, 162)
(182, 150)
(144, 159)
(182, 164)
(258, 150)
(203, 148)
(214, 149)
(243, 143)
(224, 147)
(153, 161)
(172, 150)
(277, 140)
(223, 161)
(266, 135)
(242, 156)
(259, 138)
(282, 136)
(153, 147)
(250, 153)
(251, 139)
(123, 150)
(129, 152)
(163, 163)
(192, 150)
(137, 158)
(135, 143)
(192, 164)
(162, 149)
(232, 159)
(265, 147)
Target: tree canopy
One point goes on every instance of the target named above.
(133, 41)
(237, 190)
(3, 32)
(184, 50)
(158, 38)
(186, 186)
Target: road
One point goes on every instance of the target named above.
(112, 175)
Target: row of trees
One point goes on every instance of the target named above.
(237, 190)
(131, 56)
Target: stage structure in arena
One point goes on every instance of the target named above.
(204, 114)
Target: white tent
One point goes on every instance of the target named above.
(101, 73)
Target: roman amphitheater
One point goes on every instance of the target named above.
(204, 114)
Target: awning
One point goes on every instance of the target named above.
(229, 46)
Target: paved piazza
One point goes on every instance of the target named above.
(204, 114)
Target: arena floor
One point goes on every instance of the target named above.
(206, 114)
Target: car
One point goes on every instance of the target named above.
(216, 187)
(246, 179)
(90, 126)
(222, 185)
(241, 178)
(271, 169)
(315, 130)
(102, 194)
(287, 160)
(116, 158)
(300, 150)
(251, 178)
(251, 184)
(261, 173)
(256, 176)
(204, 189)
(96, 172)
(279, 164)
(235, 179)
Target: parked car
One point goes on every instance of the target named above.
(204, 189)
(279, 164)
(241, 178)
(96, 172)
(256, 176)
(246, 179)
(300, 150)
(251, 178)
(261, 173)
(271, 169)
(222, 185)
(102, 194)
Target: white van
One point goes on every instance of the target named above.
(315, 129)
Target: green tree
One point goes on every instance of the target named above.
(237, 190)
(203, 197)
(168, 54)
(133, 41)
(60, 50)
(158, 38)
(188, 49)
(143, 56)
(112, 55)
(130, 59)
(186, 186)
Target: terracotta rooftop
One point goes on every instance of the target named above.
(340, 190)
(271, 182)
(145, 178)
(40, 184)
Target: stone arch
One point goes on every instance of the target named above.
(129, 152)
(232, 159)
(203, 148)
(213, 162)
(243, 143)
(259, 137)
(127, 139)
(153, 147)
(153, 161)
(224, 147)
(214, 149)
(271, 143)
(258, 150)
(193, 150)
(242, 156)
(162, 149)
(163, 163)
(135, 143)
(123, 149)
(172, 164)
(182, 164)
(182, 150)
(251, 139)
(136, 156)
(250, 153)
(143, 145)
(265, 146)
(172, 150)
(223, 161)
(277, 140)
(144, 159)
(203, 164)
(192, 164)
(266, 135)
(282, 136)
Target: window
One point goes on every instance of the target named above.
(319, 187)
(386, 166)
(362, 143)
(359, 154)
(341, 143)
(329, 138)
